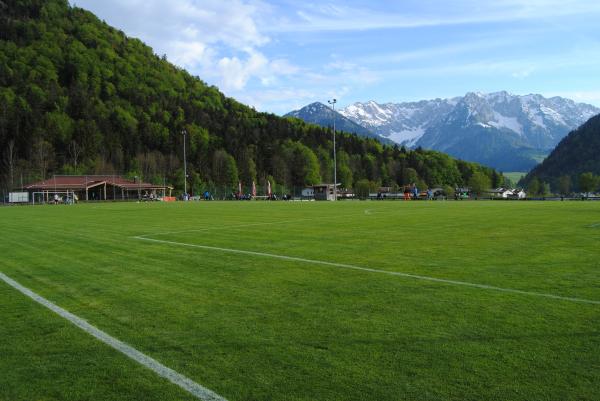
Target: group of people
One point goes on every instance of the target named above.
(68, 200)
(238, 196)
(149, 196)
(411, 192)
(206, 195)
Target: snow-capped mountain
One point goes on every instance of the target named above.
(505, 131)
(320, 114)
(403, 123)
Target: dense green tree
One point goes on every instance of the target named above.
(410, 176)
(577, 153)
(449, 191)
(303, 164)
(247, 166)
(344, 172)
(364, 187)
(564, 185)
(534, 187)
(43, 156)
(588, 182)
(479, 182)
(225, 171)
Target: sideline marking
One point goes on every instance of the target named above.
(176, 378)
(368, 269)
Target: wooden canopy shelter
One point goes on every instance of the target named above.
(97, 187)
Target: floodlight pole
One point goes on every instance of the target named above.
(184, 133)
(332, 103)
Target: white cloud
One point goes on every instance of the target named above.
(235, 72)
(280, 100)
(238, 44)
(591, 97)
(218, 40)
(232, 22)
(189, 54)
(341, 17)
(222, 42)
(523, 73)
(435, 52)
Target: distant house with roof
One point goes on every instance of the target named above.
(95, 187)
(324, 191)
(518, 194)
(500, 193)
(507, 193)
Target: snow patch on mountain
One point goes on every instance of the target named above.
(407, 137)
(553, 114)
(537, 120)
(510, 123)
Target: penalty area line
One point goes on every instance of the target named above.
(371, 270)
(176, 378)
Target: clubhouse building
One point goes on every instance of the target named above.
(95, 187)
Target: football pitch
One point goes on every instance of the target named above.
(289, 301)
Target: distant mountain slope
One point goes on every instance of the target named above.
(322, 115)
(577, 153)
(502, 130)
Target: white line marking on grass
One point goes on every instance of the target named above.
(368, 269)
(594, 225)
(187, 384)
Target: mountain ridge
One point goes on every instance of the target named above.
(498, 129)
(577, 153)
(320, 114)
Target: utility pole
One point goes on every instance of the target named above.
(332, 103)
(184, 133)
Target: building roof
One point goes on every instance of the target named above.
(83, 182)
(326, 185)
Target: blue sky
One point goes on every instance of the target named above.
(281, 55)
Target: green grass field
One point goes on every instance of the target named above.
(255, 327)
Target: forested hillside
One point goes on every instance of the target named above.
(78, 96)
(576, 154)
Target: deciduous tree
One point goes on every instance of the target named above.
(588, 182)
(479, 182)
(564, 185)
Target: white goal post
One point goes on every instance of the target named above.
(66, 197)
